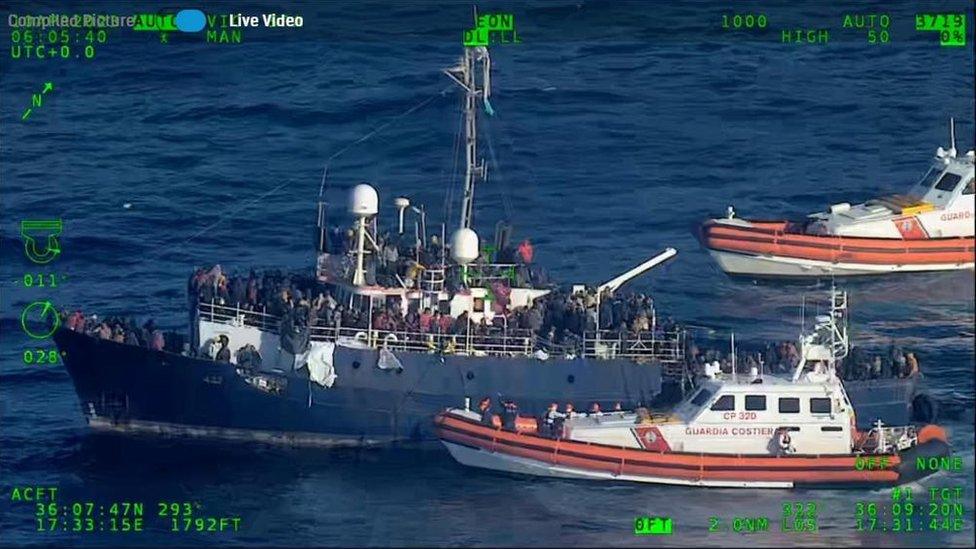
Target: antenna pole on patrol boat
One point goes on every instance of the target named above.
(733, 358)
(952, 137)
(803, 314)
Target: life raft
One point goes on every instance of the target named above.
(536, 454)
(786, 239)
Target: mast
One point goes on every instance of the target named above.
(465, 76)
(829, 341)
(840, 344)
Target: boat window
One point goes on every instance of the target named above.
(831, 428)
(969, 187)
(789, 405)
(725, 403)
(756, 403)
(479, 305)
(702, 397)
(819, 405)
(948, 182)
(930, 177)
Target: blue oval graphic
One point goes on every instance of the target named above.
(191, 20)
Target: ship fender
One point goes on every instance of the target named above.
(932, 443)
(924, 409)
(321, 364)
(386, 360)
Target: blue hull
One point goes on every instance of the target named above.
(126, 387)
(129, 388)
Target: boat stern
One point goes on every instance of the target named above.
(931, 454)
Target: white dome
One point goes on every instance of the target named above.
(840, 207)
(363, 201)
(464, 246)
(401, 202)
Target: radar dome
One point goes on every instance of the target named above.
(364, 201)
(464, 246)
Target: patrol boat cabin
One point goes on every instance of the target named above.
(741, 417)
(939, 205)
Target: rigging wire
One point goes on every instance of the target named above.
(506, 197)
(509, 141)
(455, 174)
(325, 169)
(335, 155)
(389, 123)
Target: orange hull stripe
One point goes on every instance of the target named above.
(674, 465)
(769, 239)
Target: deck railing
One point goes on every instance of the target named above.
(668, 349)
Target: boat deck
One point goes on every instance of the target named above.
(505, 342)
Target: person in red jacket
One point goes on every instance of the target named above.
(525, 251)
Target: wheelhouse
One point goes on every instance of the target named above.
(748, 416)
(945, 183)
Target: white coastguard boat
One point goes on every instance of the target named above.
(929, 229)
(756, 431)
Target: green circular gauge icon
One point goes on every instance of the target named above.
(40, 319)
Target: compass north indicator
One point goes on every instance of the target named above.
(40, 319)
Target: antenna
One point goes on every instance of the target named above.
(465, 76)
(952, 137)
(803, 314)
(762, 366)
(363, 204)
(733, 358)
(401, 203)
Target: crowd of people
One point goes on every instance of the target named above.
(117, 329)
(556, 321)
(398, 259)
(129, 332)
(559, 318)
(550, 424)
(859, 365)
(784, 357)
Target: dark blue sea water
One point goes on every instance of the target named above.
(619, 125)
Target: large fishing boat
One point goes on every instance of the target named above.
(929, 229)
(756, 431)
(368, 383)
